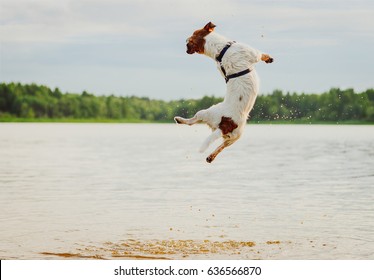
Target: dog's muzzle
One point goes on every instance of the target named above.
(190, 48)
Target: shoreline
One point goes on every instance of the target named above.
(137, 121)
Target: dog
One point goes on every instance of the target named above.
(236, 63)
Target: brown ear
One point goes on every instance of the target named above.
(209, 26)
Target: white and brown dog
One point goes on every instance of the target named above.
(236, 63)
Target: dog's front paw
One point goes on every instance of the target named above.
(267, 58)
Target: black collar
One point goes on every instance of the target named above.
(219, 59)
(222, 53)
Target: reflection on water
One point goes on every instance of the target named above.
(143, 191)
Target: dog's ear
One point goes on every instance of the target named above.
(209, 26)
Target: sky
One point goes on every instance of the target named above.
(136, 47)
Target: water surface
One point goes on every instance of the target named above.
(143, 191)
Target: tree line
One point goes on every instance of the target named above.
(33, 101)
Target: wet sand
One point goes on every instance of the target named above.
(196, 249)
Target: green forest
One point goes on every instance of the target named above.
(31, 102)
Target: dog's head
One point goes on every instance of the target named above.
(196, 42)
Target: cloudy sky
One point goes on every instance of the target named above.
(136, 47)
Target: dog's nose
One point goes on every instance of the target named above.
(189, 49)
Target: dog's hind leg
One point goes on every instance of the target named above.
(220, 148)
(213, 137)
(198, 118)
(191, 121)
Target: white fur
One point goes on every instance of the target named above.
(241, 91)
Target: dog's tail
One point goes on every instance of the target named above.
(213, 137)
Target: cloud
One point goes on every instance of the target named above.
(68, 43)
(61, 21)
(68, 20)
(65, 20)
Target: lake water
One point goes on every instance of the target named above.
(143, 191)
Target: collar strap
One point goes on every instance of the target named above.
(224, 50)
(241, 73)
(219, 59)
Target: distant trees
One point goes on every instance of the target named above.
(37, 101)
(334, 105)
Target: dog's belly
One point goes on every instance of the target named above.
(240, 98)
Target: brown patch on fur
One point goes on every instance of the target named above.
(240, 98)
(197, 41)
(227, 125)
